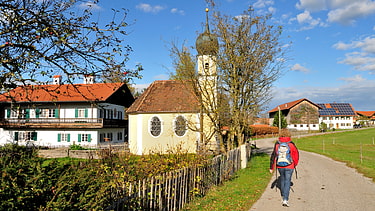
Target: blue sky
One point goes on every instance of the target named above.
(331, 57)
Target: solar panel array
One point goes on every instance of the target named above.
(336, 109)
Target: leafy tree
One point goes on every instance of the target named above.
(39, 39)
(184, 63)
(323, 127)
(277, 120)
(250, 58)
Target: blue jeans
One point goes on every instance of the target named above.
(285, 179)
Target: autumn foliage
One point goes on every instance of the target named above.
(263, 130)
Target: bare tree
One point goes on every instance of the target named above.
(249, 59)
(39, 39)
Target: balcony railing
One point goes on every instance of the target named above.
(62, 123)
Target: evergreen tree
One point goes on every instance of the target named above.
(276, 120)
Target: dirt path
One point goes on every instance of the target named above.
(322, 184)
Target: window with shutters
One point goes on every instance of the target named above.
(85, 137)
(155, 126)
(63, 137)
(26, 136)
(47, 113)
(81, 113)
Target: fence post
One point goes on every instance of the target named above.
(243, 156)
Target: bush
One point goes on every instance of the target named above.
(25, 184)
(262, 130)
(76, 147)
(29, 182)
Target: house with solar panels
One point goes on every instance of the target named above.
(337, 115)
(57, 115)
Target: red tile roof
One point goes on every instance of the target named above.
(166, 96)
(287, 106)
(366, 113)
(61, 93)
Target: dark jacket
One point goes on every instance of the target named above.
(293, 153)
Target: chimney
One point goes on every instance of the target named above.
(89, 79)
(57, 80)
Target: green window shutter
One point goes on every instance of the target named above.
(56, 113)
(34, 136)
(27, 113)
(59, 137)
(79, 137)
(37, 112)
(89, 137)
(68, 137)
(8, 113)
(16, 136)
(86, 113)
(76, 115)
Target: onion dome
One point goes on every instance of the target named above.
(207, 43)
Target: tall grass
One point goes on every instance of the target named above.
(355, 148)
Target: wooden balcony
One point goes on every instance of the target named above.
(49, 123)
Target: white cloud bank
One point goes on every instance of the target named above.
(357, 91)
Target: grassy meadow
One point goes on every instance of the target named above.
(356, 148)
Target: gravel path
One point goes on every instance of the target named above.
(322, 184)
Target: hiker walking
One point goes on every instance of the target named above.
(285, 158)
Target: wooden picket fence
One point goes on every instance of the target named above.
(172, 190)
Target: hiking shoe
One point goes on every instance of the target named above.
(285, 203)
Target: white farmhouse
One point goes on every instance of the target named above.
(89, 114)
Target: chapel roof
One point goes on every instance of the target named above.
(166, 96)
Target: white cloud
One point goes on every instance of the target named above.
(306, 19)
(177, 11)
(149, 8)
(363, 59)
(360, 61)
(90, 5)
(339, 11)
(356, 78)
(272, 10)
(342, 46)
(263, 3)
(311, 5)
(349, 13)
(299, 68)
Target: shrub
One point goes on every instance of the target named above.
(261, 130)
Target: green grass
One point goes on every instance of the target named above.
(355, 148)
(241, 192)
(247, 186)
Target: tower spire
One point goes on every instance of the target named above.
(207, 26)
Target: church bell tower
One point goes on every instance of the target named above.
(207, 46)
